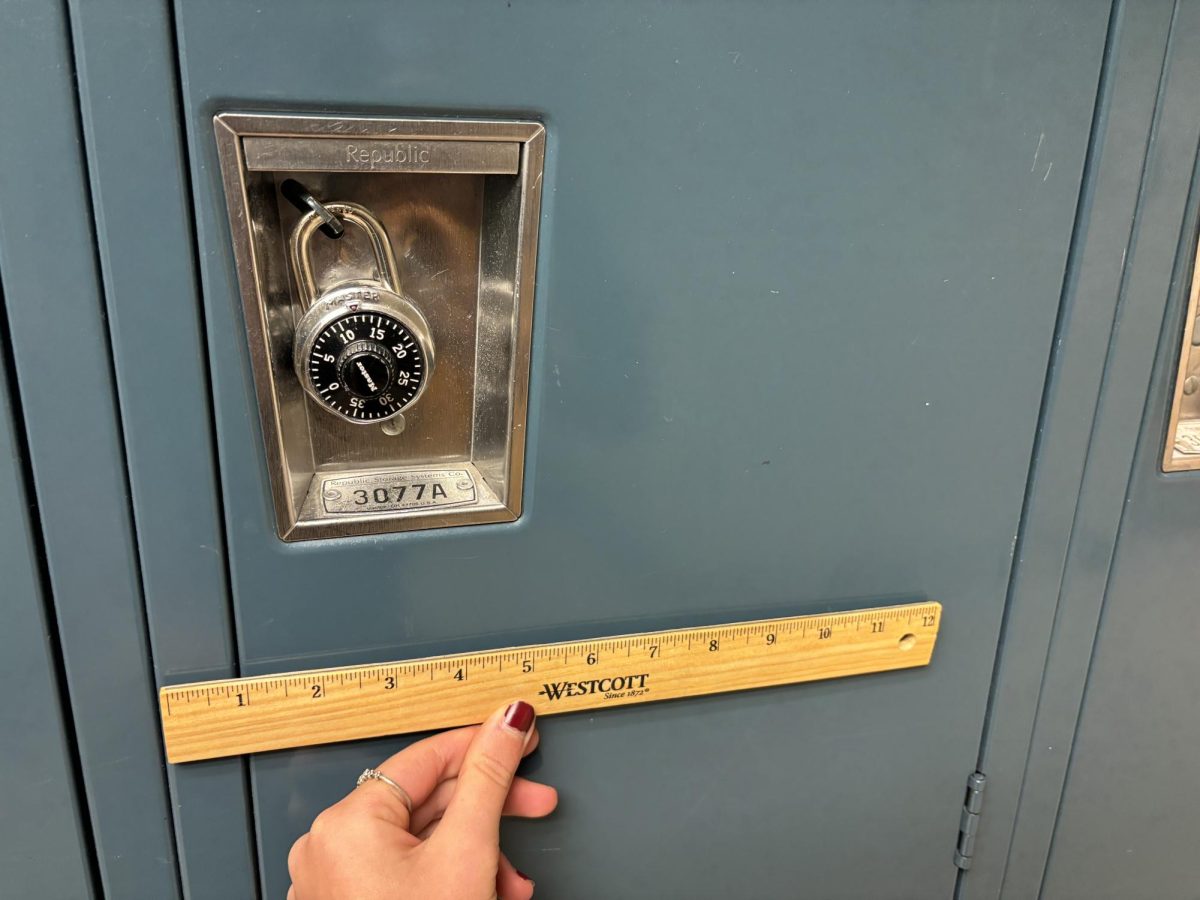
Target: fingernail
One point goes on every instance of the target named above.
(523, 875)
(519, 717)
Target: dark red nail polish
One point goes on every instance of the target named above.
(519, 716)
(523, 875)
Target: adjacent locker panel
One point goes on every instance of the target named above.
(63, 377)
(1131, 805)
(124, 51)
(789, 352)
(43, 843)
(1118, 522)
(1073, 510)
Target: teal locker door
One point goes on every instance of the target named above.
(798, 283)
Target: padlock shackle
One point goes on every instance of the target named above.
(385, 261)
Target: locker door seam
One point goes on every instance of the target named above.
(49, 614)
(185, 149)
(102, 289)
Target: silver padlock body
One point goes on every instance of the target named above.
(379, 328)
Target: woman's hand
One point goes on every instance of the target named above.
(368, 846)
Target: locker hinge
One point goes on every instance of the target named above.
(969, 823)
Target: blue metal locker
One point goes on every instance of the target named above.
(835, 304)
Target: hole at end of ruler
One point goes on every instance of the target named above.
(908, 642)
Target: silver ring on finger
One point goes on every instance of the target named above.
(376, 775)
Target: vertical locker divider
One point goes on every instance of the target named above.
(1091, 302)
(46, 845)
(137, 154)
(1157, 260)
(55, 309)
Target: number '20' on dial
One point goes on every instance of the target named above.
(367, 366)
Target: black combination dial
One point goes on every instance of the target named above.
(367, 365)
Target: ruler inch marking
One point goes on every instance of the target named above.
(669, 664)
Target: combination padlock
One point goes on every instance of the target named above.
(362, 350)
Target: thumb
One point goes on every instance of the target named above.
(486, 775)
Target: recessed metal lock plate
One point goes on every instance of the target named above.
(367, 250)
(1182, 451)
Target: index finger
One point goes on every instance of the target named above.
(421, 767)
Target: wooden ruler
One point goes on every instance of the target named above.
(246, 715)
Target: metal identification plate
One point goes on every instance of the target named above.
(389, 492)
